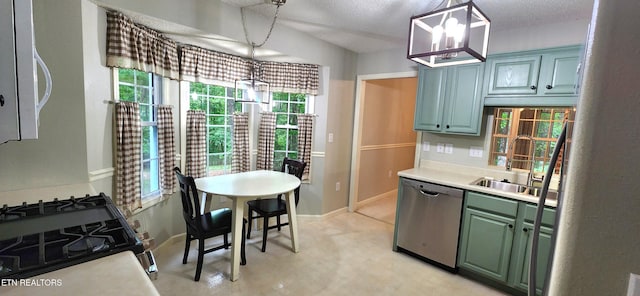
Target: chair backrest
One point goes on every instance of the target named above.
(294, 167)
(190, 201)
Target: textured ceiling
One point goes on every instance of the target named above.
(373, 25)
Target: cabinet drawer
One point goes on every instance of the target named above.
(548, 215)
(493, 204)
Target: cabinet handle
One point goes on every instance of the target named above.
(447, 126)
(533, 87)
(437, 125)
(510, 226)
(1, 100)
(549, 86)
(525, 230)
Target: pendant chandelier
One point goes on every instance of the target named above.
(252, 89)
(454, 35)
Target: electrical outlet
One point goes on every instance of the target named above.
(337, 186)
(440, 148)
(425, 146)
(475, 151)
(330, 137)
(448, 148)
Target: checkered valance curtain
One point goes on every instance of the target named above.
(134, 46)
(128, 137)
(305, 134)
(290, 77)
(266, 141)
(196, 154)
(166, 149)
(207, 66)
(241, 156)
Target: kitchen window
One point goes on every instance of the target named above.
(218, 104)
(286, 106)
(543, 125)
(145, 89)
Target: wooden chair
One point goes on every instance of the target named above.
(203, 226)
(275, 207)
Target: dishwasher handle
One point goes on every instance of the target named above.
(429, 194)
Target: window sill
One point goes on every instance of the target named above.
(151, 201)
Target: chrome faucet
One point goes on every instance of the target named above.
(530, 176)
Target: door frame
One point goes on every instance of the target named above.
(357, 130)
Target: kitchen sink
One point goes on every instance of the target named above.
(514, 188)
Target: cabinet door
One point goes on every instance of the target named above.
(485, 245)
(463, 104)
(520, 273)
(430, 99)
(559, 73)
(514, 76)
(8, 104)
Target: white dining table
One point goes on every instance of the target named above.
(245, 186)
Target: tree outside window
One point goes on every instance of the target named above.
(218, 104)
(143, 88)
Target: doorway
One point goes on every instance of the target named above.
(384, 142)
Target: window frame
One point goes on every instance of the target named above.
(155, 99)
(522, 161)
(228, 122)
(308, 109)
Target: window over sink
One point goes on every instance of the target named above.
(543, 125)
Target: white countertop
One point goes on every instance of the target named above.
(118, 274)
(463, 180)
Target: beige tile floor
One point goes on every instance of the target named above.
(383, 209)
(345, 254)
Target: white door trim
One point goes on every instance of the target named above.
(357, 129)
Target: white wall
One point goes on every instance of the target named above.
(599, 233)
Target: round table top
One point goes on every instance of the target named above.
(248, 184)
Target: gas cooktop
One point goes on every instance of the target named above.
(46, 236)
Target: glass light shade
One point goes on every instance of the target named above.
(466, 31)
(252, 91)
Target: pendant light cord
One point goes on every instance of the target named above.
(246, 32)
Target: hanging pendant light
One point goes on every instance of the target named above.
(252, 89)
(457, 34)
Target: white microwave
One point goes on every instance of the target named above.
(19, 99)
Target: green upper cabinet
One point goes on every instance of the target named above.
(546, 77)
(513, 76)
(449, 99)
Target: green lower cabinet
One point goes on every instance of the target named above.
(495, 240)
(486, 244)
(522, 253)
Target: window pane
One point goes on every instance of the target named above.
(216, 163)
(293, 119)
(278, 157)
(146, 113)
(500, 145)
(556, 129)
(279, 107)
(142, 95)
(296, 108)
(293, 140)
(281, 139)
(542, 130)
(298, 97)
(126, 75)
(217, 106)
(280, 96)
(146, 177)
(216, 140)
(216, 120)
(217, 91)
(229, 140)
(281, 119)
(127, 93)
(197, 88)
(142, 78)
(198, 103)
(146, 142)
(541, 148)
(293, 155)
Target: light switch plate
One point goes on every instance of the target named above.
(448, 148)
(330, 138)
(440, 148)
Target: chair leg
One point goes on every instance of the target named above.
(187, 245)
(200, 259)
(243, 258)
(249, 222)
(278, 220)
(226, 240)
(264, 233)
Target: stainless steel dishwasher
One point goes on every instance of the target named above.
(429, 221)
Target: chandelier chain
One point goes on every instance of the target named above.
(246, 32)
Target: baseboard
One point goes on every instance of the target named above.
(171, 240)
(327, 215)
(391, 193)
